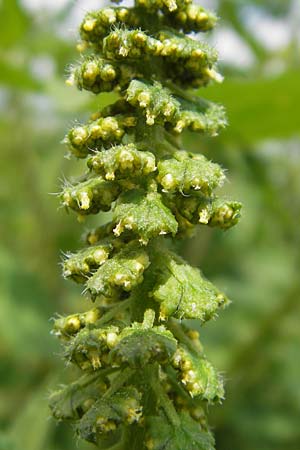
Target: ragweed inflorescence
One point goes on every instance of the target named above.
(145, 379)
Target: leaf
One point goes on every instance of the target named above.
(259, 109)
(188, 435)
(144, 214)
(182, 291)
(14, 22)
(72, 401)
(17, 77)
(139, 346)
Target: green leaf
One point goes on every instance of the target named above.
(182, 291)
(14, 22)
(17, 77)
(264, 108)
(139, 346)
(188, 435)
(72, 401)
(144, 214)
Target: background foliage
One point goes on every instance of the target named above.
(256, 341)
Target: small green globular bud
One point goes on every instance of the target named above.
(133, 44)
(154, 5)
(122, 272)
(193, 18)
(91, 196)
(102, 132)
(198, 376)
(96, 25)
(96, 75)
(121, 161)
(214, 212)
(102, 424)
(144, 214)
(157, 103)
(140, 345)
(224, 214)
(185, 172)
(210, 122)
(89, 348)
(92, 237)
(182, 291)
(185, 434)
(73, 401)
(80, 265)
(193, 55)
(67, 327)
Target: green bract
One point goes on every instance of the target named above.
(146, 380)
(182, 291)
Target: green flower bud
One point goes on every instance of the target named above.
(120, 44)
(91, 196)
(210, 122)
(102, 132)
(121, 161)
(122, 272)
(198, 376)
(187, 172)
(82, 264)
(214, 212)
(156, 102)
(193, 18)
(96, 25)
(153, 5)
(97, 75)
(67, 327)
(104, 420)
(89, 349)
(193, 59)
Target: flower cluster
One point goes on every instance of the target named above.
(145, 379)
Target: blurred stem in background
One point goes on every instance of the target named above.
(257, 340)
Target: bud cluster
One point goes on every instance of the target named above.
(198, 376)
(98, 133)
(145, 378)
(122, 161)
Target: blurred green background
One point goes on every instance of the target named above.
(256, 341)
